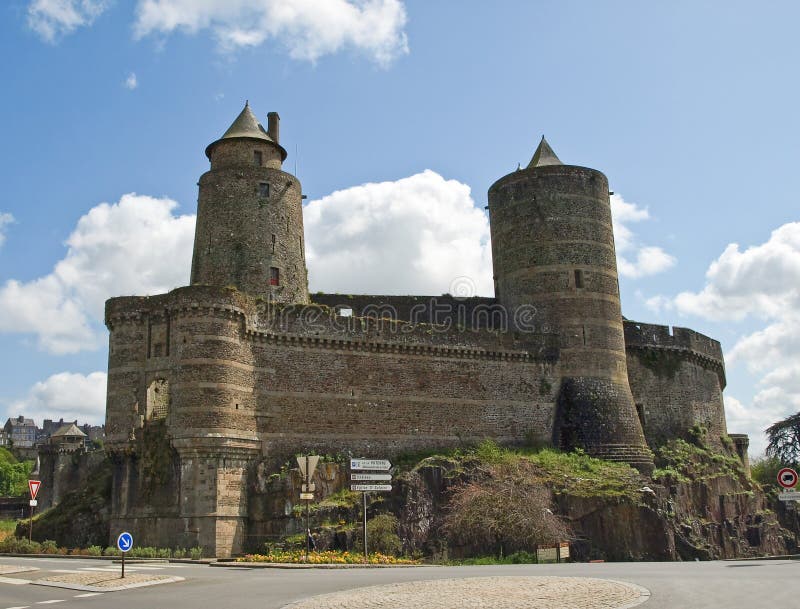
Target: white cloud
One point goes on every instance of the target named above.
(5, 220)
(635, 260)
(412, 236)
(762, 282)
(66, 395)
(52, 19)
(131, 82)
(135, 246)
(309, 29)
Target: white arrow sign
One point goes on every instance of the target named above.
(370, 476)
(370, 487)
(378, 464)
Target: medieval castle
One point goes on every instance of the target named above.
(244, 368)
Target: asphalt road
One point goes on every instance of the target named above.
(692, 585)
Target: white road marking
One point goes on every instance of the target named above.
(63, 570)
(25, 607)
(88, 594)
(60, 600)
(13, 580)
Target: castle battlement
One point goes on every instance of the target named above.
(244, 368)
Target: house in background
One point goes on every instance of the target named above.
(21, 432)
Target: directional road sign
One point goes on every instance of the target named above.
(787, 477)
(34, 485)
(370, 487)
(125, 542)
(377, 464)
(306, 496)
(370, 476)
(789, 496)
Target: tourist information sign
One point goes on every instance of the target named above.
(368, 488)
(787, 477)
(375, 464)
(370, 476)
(379, 465)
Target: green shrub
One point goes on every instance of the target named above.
(94, 551)
(49, 547)
(179, 553)
(196, 553)
(112, 551)
(20, 545)
(381, 536)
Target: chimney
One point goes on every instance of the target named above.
(274, 126)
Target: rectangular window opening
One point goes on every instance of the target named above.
(257, 158)
(273, 243)
(640, 412)
(274, 276)
(263, 189)
(578, 278)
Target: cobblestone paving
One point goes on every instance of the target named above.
(486, 593)
(8, 569)
(104, 580)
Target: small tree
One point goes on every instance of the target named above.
(784, 440)
(507, 510)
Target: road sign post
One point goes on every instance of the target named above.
(381, 465)
(307, 465)
(33, 486)
(124, 545)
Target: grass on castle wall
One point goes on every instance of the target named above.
(682, 461)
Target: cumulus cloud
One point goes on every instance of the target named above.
(762, 282)
(66, 395)
(131, 82)
(416, 235)
(52, 19)
(115, 249)
(634, 259)
(309, 29)
(5, 220)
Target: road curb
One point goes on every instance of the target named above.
(85, 588)
(287, 565)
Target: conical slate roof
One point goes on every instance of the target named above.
(543, 156)
(246, 125)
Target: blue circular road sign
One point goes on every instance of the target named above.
(125, 541)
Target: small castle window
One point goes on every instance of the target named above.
(274, 276)
(578, 278)
(273, 243)
(257, 158)
(263, 189)
(640, 412)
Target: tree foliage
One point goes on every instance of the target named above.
(507, 510)
(784, 440)
(13, 475)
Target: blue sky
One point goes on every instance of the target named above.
(400, 114)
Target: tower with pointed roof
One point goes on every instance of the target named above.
(553, 253)
(249, 231)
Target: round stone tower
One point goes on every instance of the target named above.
(553, 251)
(249, 216)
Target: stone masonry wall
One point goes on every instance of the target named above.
(677, 380)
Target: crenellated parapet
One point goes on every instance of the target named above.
(681, 342)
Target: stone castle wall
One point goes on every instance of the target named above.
(677, 378)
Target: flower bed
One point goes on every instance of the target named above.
(327, 557)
